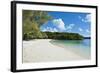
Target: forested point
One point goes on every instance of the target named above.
(32, 20)
(55, 35)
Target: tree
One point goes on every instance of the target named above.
(32, 20)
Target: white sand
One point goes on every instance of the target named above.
(42, 50)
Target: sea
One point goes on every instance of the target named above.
(80, 47)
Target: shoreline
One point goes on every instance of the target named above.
(41, 50)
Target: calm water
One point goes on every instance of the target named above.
(80, 47)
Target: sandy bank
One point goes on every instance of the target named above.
(42, 50)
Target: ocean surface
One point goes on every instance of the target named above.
(80, 47)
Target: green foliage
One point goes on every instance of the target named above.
(32, 20)
(64, 36)
(41, 17)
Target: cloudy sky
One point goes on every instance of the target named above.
(69, 22)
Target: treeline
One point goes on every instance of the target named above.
(87, 37)
(55, 35)
(63, 35)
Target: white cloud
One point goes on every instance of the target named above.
(55, 30)
(80, 29)
(86, 19)
(69, 27)
(79, 17)
(59, 24)
(87, 31)
(49, 29)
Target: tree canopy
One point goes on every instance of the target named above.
(32, 20)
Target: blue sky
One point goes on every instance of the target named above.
(69, 22)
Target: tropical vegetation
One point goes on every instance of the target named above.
(32, 20)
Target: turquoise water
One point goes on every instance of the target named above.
(80, 47)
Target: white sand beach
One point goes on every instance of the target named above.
(41, 50)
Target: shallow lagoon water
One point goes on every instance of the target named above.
(80, 47)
